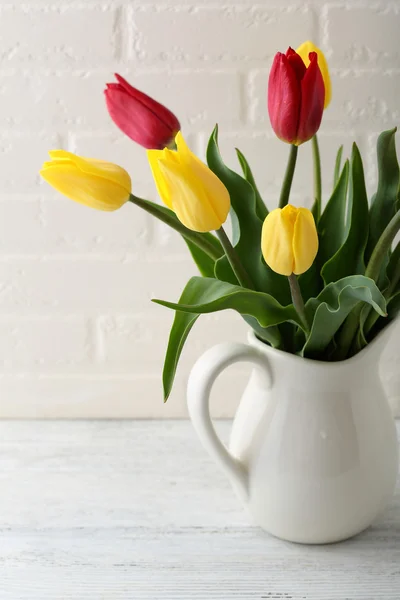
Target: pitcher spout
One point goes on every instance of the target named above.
(375, 348)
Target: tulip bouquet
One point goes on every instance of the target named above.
(318, 283)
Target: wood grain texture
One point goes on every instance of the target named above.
(114, 510)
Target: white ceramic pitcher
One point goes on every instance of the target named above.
(313, 453)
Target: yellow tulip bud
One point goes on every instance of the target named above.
(95, 183)
(189, 188)
(289, 240)
(304, 51)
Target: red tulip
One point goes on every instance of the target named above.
(296, 97)
(141, 118)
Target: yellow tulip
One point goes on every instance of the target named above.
(95, 183)
(289, 240)
(304, 50)
(189, 188)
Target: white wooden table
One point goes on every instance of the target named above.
(136, 510)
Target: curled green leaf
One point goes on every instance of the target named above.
(329, 310)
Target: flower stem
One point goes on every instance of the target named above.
(298, 301)
(317, 178)
(237, 267)
(288, 178)
(168, 217)
(382, 247)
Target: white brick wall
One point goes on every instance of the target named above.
(78, 334)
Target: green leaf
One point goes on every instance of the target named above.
(349, 259)
(338, 163)
(384, 203)
(205, 264)
(261, 209)
(206, 241)
(210, 295)
(333, 305)
(269, 335)
(331, 226)
(360, 340)
(246, 229)
(205, 295)
(310, 282)
(181, 327)
(393, 310)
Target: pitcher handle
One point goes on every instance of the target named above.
(202, 377)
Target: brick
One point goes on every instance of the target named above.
(360, 35)
(167, 241)
(76, 99)
(371, 160)
(59, 99)
(130, 343)
(35, 344)
(90, 397)
(362, 99)
(60, 34)
(256, 88)
(88, 284)
(21, 157)
(250, 33)
(55, 225)
(198, 98)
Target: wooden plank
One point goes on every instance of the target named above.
(136, 510)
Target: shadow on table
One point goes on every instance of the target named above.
(382, 538)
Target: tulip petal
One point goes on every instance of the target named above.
(162, 185)
(141, 118)
(181, 143)
(54, 163)
(217, 193)
(312, 101)
(276, 240)
(92, 191)
(305, 241)
(159, 110)
(284, 98)
(137, 121)
(304, 51)
(191, 200)
(99, 168)
(171, 156)
(297, 63)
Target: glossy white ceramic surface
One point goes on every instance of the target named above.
(313, 453)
